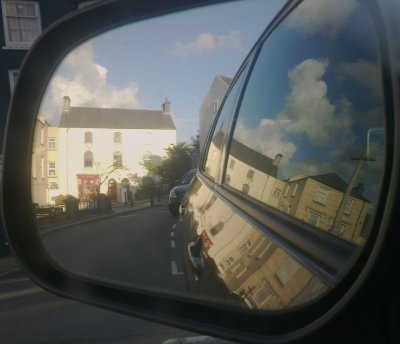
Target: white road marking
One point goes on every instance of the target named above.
(172, 234)
(174, 226)
(172, 244)
(175, 268)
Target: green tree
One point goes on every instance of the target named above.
(176, 164)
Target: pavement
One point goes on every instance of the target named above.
(9, 267)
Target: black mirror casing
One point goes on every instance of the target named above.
(350, 302)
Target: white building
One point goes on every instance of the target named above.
(210, 106)
(102, 148)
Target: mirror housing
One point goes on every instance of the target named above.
(235, 324)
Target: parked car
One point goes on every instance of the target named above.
(177, 193)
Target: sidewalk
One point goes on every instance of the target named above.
(118, 209)
(8, 264)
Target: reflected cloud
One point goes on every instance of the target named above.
(321, 17)
(207, 42)
(85, 81)
(308, 106)
(268, 138)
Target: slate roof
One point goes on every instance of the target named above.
(226, 79)
(335, 182)
(86, 117)
(251, 157)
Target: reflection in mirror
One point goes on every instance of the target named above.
(314, 147)
(125, 119)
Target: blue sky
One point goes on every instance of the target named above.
(175, 56)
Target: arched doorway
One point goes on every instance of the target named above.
(125, 190)
(53, 193)
(112, 189)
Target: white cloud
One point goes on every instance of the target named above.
(308, 108)
(320, 16)
(267, 138)
(86, 85)
(207, 42)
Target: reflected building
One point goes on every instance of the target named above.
(210, 106)
(254, 174)
(313, 199)
(39, 179)
(53, 164)
(97, 150)
(317, 199)
(259, 272)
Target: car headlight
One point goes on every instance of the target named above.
(172, 194)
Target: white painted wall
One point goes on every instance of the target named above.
(134, 144)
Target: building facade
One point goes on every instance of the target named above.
(22, 22)
(210, 106)
(103, 150)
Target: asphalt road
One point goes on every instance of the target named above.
(28, 314)
(144, 249)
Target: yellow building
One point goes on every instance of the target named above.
(316, 200)
(52, 164)
(39, 163)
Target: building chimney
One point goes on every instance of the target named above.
(277, 159)
(166, 107)
(67, 103)
(359, 189)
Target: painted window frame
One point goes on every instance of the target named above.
(51, 169)
(19, 44)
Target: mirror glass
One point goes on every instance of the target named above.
(124, 123)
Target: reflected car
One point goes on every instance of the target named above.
(177, 193)
(278, 179)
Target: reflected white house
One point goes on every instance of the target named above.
(210, 106)
(97, 149)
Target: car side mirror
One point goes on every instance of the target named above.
(294, 200)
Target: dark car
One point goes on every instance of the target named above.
(177, 193)
(282, 207)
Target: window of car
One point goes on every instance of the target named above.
(221, 129)
(305, 119)
(21, 21)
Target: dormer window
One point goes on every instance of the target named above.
(117, 137)
(88, 137)
(117, 159)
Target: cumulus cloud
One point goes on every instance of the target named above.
(206, 43)
(85, 82)
(308, 109)
(366, 74)
(268, 138)
(308, 114)
(324, 17)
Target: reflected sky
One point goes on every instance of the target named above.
(316, 103)
(175, 56)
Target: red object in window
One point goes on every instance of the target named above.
(206, 240)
